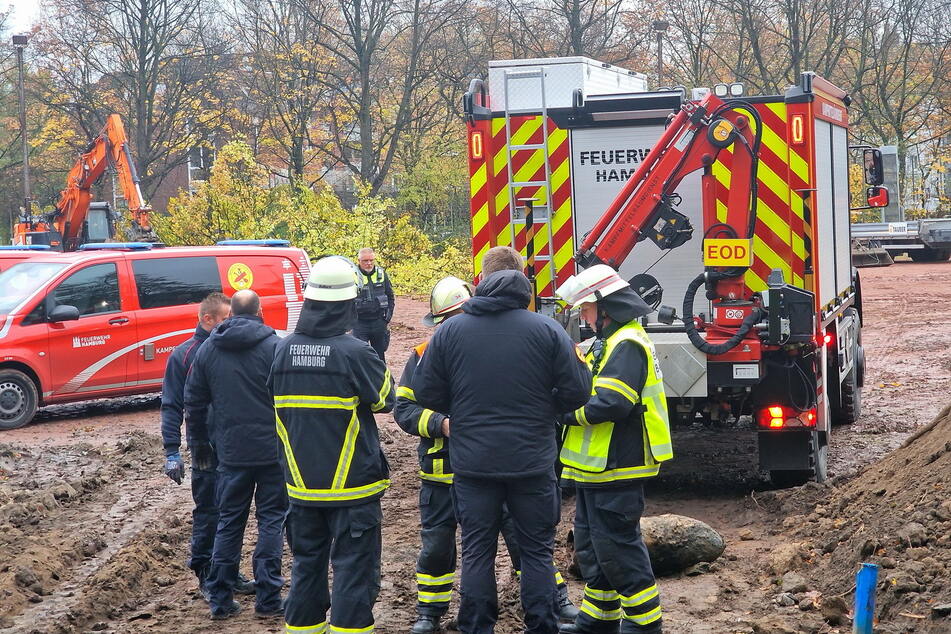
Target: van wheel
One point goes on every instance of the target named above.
(18, 399)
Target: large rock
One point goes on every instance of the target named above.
(676, 542)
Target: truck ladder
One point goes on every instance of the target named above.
(542, 212)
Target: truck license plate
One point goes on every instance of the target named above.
(745, 371)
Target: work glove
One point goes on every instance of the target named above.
(175, 467)
(203, 457)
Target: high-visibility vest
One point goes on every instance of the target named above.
(586, 448)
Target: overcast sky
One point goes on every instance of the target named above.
(25, 12)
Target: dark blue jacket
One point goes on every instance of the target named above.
(503, 375)
(173, 389)
(230, 375)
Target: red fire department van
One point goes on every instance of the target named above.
(101, 322)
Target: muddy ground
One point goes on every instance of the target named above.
(93, 538)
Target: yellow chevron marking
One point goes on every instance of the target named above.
(753, 281)
(480, 219)
(477, 258)
(772, 221)
(779, 109)
(770, 259)
(477, 181)
(799, 166)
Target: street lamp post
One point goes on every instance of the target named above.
(660, 28)
(20, 42)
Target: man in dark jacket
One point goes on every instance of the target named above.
(230, 374)
(505, 374)
(212, 311)
(375, 304)
(326, 387)
(436, 564)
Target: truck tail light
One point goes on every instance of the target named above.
(781, 417)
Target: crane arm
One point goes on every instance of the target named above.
(644, 208)
(109, 148)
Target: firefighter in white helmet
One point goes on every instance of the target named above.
(327, 385)
(436, 564)
(611, 445)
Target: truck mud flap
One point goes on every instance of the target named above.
(785, 450)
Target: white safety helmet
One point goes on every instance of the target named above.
(449, 294)
(332, 279)
(590, 285)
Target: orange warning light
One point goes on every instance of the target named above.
(475, 145)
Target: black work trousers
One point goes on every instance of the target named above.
(204, 521)
(376, 332)
(348, 538)
(619, 581)
(236, 487)
(534, 505)
(436, 565)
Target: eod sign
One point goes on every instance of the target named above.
(727, 252)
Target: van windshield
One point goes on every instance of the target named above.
(20, 281)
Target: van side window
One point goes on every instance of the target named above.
(93, 290)
(175, 281)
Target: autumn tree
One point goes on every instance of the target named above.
(379, 50)
(284, 79)
(154, 62)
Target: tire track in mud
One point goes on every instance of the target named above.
(89, 556)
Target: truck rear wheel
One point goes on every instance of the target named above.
(929, 254)
(848, 407)
(819, 460)
(18, 399)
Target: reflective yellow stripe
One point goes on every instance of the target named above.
(597, 613)
(320, 628)
(641, 597)
(580, 416)
(384, 391)
(601, 595)
(346, 453)
(307, 400)
(646, 618)
(629, 473)
(558, 578)
(288, 452)
(618, 386)
(422, 425)
(445, 478)
(434, 597)
(406, 392)
(334, 629)
(337, 495)
(430, 580)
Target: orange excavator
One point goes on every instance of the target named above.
(76, 220)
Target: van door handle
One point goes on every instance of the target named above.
(115, 321)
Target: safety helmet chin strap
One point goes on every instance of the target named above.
(599, 322)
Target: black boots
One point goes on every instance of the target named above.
(567, 612)
(425, 624)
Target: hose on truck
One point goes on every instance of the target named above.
(695, 337)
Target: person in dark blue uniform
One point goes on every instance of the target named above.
(375, 304)
(229, 375)
(326, 387)
(211, 312)
(504, 374)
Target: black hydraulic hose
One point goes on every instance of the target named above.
(695, 338)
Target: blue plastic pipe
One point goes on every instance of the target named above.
(865, 581)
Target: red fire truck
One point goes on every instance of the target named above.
(101, 321)
(734, 208)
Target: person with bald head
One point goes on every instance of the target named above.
(230, 374)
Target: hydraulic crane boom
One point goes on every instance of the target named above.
(109, 149)
(644, 208)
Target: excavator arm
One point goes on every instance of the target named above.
(645, 206)
(109, 148)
